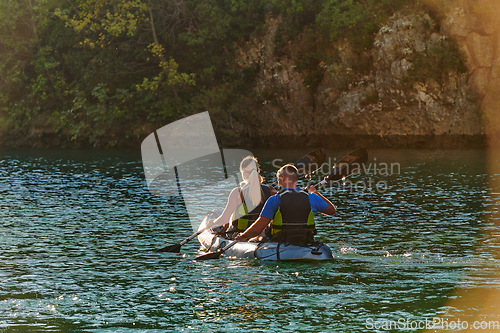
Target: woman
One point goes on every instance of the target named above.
(245, 202)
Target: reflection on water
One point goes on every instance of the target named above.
(77, 226)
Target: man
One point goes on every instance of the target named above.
(292, 210)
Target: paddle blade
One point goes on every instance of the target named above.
(173, 248)
(311, 162)
(208, 256)
(349, 164)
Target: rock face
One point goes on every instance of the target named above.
(400, 96)
(475, 25)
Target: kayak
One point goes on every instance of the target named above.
(211, 242)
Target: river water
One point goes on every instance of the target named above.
(76, 228)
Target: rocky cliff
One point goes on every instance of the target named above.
(427, 85)
(475, 25)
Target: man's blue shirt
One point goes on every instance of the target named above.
(273, 204)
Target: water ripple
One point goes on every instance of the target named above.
(77, 227)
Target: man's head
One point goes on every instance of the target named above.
(288, 175)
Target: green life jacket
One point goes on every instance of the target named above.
(294, 212)
(248, 218)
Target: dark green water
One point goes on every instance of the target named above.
(76, 226)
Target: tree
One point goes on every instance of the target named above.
(95, 69)
(104, 21)
(29, 79)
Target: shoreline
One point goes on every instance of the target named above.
(373, 141)
(285, 141)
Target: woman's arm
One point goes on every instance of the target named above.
(232, 203)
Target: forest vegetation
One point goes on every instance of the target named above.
(101, 73)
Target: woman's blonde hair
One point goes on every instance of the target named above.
(251, 185)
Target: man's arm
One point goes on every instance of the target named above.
(266, 215)
(255, 229)
(330, 209)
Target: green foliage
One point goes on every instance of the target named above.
(169, 75)
(101, 18)
(29, 78)
(222, 21)
(99, 72)
(435, 63)
(357, 22)
(290, 7)
(91, 67)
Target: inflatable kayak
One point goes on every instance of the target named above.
(211, 242)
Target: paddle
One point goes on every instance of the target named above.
(307, 164)
(216, 254)
(348, 165)
(176, 248)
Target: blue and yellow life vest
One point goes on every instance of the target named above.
(294, 212)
